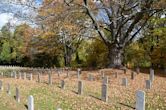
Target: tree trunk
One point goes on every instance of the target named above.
(115, 57)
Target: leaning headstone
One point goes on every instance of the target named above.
(1, 85)
(132, 75)
(50, 78)
(80, 87)
(105, 80)
(148, 84)
(140, 100)
(30, 103)
(17, 95)
(151, 74)
(104, 93)
(62, 84)
(124, 82)
(8, 89)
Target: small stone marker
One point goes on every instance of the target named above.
(30, 103)
(67, 72)
(1, 85)
(151, 74)
(80, 87)
(39, 79)
(105, 80)
(116, 75)
(140, 100)
(78, 73)
(137, 70)
(31, 77)
(11, 74)
(50, 78)
(102, 75)
(90, 77)
(1, 73)
(25, 76)
(19, 75)
(125, 70)
(62, 84)
(148, 84)
(8, 89)
(17, 95)
(15, 75)
(104, 93)
(132, 75)
(124, 82)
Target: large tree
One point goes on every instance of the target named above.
(123, 19)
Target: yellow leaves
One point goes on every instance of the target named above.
(47, 35)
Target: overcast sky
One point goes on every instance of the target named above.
(5, 17)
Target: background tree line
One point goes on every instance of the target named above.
(68, 35)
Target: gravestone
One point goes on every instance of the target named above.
(11, 74)
(67, 72)
(116, 75)
(78, 73)
(125, 70)
(138, 70)
(8, 89)
(31, 77)
(62, 84)
(132, 75)
(19, 75)
(151, 74)
(1, 73)
(39, 77)
(30, 103)
(90, 77)
(17, 95)
(102, 75)
(24, 76)
(50, 78)
(148, 84)
(124, 82)
(140, 100)
(1, 85)
(15, 75)
(80, 87)
(105, 80)
(104, 93)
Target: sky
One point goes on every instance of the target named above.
(5, 17)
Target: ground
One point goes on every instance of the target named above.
(49, 97)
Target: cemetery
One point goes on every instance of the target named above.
(61, 88)
(82, 54)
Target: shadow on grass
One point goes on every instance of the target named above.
(95, 97)
(127, 106)
(26, 106)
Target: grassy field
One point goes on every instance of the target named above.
(49, 97)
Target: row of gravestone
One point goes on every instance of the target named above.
(30, 105)
(104, 96)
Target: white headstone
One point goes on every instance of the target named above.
(140, 100)
(30, 103)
